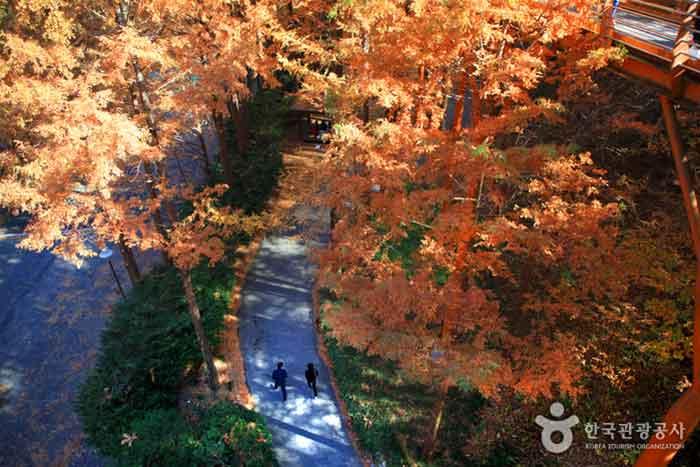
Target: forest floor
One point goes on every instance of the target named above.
(276, 324)
(51, 315)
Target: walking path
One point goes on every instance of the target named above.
(276, 325)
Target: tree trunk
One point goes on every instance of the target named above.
(123, 9)
(133, 100)
(439, 407)
(205, 152)
(460, 90)
(224, 154)
(212, 374)
(252, 81)
(366, 111)
(129, 261)
(139, 95)
(145, 101)
(159, 166)
(438, 411)
(237, 113)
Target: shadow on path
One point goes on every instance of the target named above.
(276, 324)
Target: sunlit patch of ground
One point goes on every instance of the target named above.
(9, 387)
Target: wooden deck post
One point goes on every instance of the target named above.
(681, 50)
(690, 199)
(606, 24)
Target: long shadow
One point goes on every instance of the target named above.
(41, 262)
(307, 434)
(267, 276)
(291, 295)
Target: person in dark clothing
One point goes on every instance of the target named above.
(279, 376)
(311, 374)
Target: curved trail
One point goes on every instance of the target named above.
(276, 324)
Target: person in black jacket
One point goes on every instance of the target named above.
(279, 376)
(311, 374)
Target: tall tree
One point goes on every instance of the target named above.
(201, 236)
(432, 224)
(91, 95)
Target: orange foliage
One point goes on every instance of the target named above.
(435, 227)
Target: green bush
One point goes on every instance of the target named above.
(256, 172)
(227, 435)
(161, 437)
(233, 435)
(148, 350)
(403, 250)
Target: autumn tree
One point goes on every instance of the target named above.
(93, 96)
(201, 236)
(67, 140)
(434, 225)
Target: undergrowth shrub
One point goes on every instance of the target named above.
(256, 172)
(225, 435)
(236, 436)
(161, 437)
(149, 350)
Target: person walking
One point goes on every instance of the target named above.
(279, 376)
(311, 375)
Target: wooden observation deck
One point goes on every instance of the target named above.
(663, 41)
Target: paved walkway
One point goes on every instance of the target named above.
(275, 325)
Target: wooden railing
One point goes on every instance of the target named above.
(659, 36)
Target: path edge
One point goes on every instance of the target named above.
(231, 339)
(364, 456)
(230, 348)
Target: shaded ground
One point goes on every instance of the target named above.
(51, 316)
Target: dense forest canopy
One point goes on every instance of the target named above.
(517, 255)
